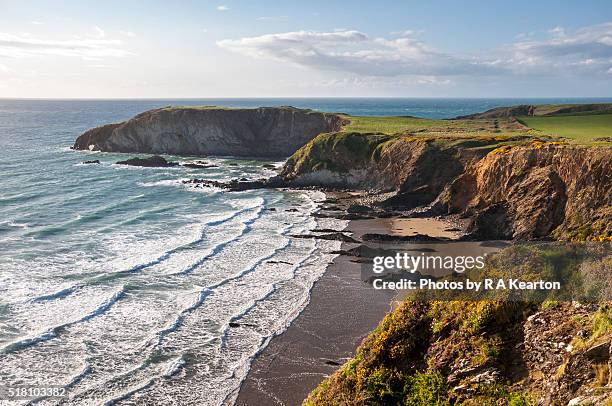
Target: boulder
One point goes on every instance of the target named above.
(154, 161)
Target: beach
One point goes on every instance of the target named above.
(342, 311)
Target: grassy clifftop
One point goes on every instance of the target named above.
(585, 129)
(585, 124)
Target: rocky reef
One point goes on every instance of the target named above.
(201, 131)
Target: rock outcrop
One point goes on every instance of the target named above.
(155, 161)
(201, 131)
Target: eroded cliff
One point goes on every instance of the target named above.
(199, 131)
(524, 189)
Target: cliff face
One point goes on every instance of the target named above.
(411, 166)
(533, 191)
(261, 132)
(521, 192)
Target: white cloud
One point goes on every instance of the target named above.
(127, 33)
(355, 52)
(15, 46)
(407, 33)
(36, 22)
(99, 32)
(222, 8)
(557, 31)
(589, 47)
(584, 51)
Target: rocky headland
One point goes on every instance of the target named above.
(200, 131)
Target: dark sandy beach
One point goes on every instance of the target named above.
(343, 310)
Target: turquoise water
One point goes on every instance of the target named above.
(121, 283)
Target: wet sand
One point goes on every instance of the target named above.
(343, 310)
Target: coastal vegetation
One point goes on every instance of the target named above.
(486, 352)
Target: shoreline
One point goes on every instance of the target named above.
(342, 311)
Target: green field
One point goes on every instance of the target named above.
(430, 127)
(582, 128)
(387, 125)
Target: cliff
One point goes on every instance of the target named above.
(198, 131)
(511, 188)
(535, 191)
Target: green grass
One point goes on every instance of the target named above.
(406, 125)
(581, 128)
(388, 125)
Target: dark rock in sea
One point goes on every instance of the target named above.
(233, 324)
(154, 161)
(279, 262)
(97, 161)
(268, 166)
(239, 185)
(326, 230)
(332, 363)
(291, 210)
(396, 238)
(331, 236)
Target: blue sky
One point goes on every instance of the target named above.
(316, 48)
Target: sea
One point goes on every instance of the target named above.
(124, 285)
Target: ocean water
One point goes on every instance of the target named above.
(125, 285)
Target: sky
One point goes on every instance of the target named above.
(230, 48)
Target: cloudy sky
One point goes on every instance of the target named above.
(230, 48)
